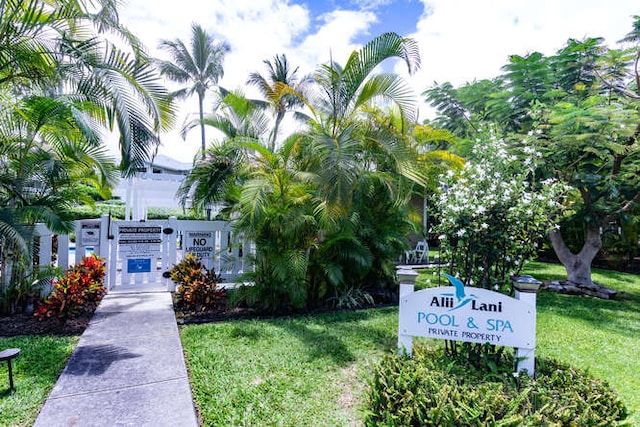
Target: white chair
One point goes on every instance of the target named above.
(421, 253)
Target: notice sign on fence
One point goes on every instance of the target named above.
(90, 233)
(140, 244)
(199, 243)
(468, 314)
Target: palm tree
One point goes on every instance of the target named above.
(281, 89)
(340, 132)
(217, 177)
(57, 48)
(277, 211)
(44, 154)
(63, 86)
(198, 66)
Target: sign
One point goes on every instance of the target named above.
(140, 240)
(199, 243)
(90, 233)
(468, 314)
(138, 265)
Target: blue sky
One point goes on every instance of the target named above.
(460, 40)
(399, 16)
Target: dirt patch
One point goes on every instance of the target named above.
(24, 324)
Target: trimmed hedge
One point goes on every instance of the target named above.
(432, 389)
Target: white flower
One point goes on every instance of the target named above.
(461, 232)
(484, 225)
(441, 237)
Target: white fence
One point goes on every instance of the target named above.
(138, 253)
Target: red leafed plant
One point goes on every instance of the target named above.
(198, 288)
(81, 288)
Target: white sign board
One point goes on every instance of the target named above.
(140, 240)
(468, 314)
(199, 243)
(90, 233)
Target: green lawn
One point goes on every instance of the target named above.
(35, 372)
(310, 370)
(598, 335)
(292, 372)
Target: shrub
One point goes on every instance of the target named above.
(495, 214)
(433, 390)
(81, 288)
(198, 288)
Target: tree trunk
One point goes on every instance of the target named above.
(201, 114)
(578, 266)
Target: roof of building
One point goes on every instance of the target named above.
(166, 162)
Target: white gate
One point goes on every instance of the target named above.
(141, 252)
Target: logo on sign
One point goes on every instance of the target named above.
(446, 300)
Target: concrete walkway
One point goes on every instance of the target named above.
(127, 370)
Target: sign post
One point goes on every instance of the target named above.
(526, 291)
(407, 279)
(470, 315)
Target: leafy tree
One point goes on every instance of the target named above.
(199, 66)
(579, 102)
(591, 145)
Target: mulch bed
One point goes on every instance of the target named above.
(219, 312)
(28, 324)
(24, 324)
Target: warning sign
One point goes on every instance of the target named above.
(199, 243)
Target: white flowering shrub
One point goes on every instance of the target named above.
(493, 215)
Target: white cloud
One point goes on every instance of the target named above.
(460, 40)
(333, 37)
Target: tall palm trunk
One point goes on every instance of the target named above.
(201, 112)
